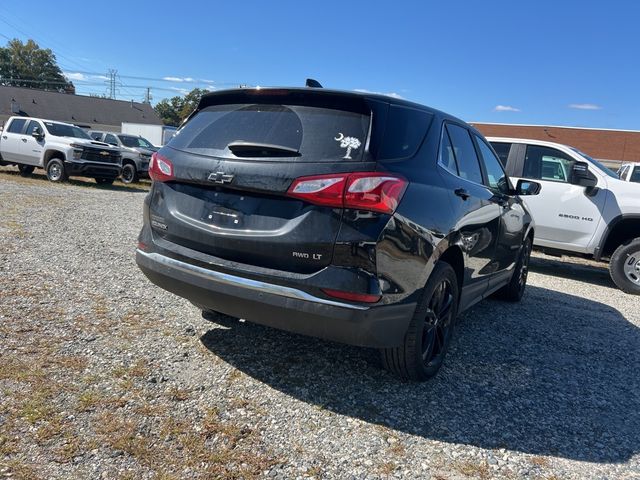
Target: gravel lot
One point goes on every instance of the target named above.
(102, 375)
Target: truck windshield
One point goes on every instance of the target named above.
(134, 142)
(62, 130)
(604, 169)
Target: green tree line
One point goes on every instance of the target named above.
(28, 65)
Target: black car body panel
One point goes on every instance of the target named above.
(224, 219)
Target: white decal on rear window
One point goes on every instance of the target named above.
(350, 143)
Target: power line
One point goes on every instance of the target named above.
(2, 19)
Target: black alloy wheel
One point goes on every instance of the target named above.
(430, 331)
(129, 174)
(514, 290)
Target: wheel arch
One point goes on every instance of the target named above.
(454, 257)
(52, 153)
(620, 230)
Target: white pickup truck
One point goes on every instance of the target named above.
(629, 172)
(583, 208)
(62, 149)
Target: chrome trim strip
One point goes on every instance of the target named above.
(232, 280)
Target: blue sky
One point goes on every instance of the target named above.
(542, 62)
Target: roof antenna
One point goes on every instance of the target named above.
(312, 83)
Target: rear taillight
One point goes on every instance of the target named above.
(160, 168)
(373, 191)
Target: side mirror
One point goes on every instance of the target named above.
(37, 134)
(580, 175)
(527, 187)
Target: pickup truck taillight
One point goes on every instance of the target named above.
(160, 168)
(372, 191)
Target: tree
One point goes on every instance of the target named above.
(28, 65)
(174, 110)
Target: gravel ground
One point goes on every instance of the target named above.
(103, 375)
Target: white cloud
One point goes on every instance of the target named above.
(178, 79)
(181, 91)
(505, 108)
(585, 106)
(75, 76)
(389, 94)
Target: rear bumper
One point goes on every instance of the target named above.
(277, 306)
(92, 169)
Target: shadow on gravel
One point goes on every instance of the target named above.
(81, 182)
(594, 274)
(557, 375)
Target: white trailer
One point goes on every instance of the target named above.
(159, 135)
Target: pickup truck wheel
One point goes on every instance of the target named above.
(624, 267)
(56, 171)
(514, 290)
(429, 334)
(129, 173)
(26, 170)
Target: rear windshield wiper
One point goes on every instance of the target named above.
(250, 149)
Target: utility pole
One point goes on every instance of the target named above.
(112, 73)
(147, 96)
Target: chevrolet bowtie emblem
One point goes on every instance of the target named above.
(220, 177)
(104, 153)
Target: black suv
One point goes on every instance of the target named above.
(352, 217)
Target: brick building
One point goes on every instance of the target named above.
(610, 146)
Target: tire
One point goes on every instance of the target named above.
(129, 174)
(624, 267)
(514, 290)
(26, 170)
(56, 171)
(105, 181)
(429, 334)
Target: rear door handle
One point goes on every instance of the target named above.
(24, 140)
(4, 137)
(462, 193)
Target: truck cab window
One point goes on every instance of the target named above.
(16, 125)
(33, 125)
(545, 163)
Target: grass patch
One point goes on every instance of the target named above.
(476, 470)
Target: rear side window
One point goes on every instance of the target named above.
(404, 132)
(299, 133)
(502, 149)
(635, 175)
(468, 165)
(446, 158)
(16, 125)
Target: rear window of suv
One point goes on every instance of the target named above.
(299, 133)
